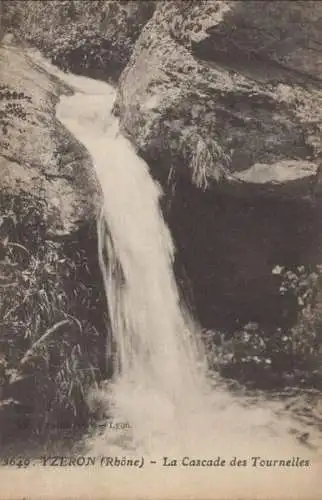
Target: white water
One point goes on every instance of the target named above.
(161, 389)
(158, 357)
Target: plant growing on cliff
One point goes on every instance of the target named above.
(208, 159)
(12, 108)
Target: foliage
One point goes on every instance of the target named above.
(12, 107)
(82, 50)
(283, 356)
(52, 324)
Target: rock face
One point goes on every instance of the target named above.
(39, 158)
(223, 99)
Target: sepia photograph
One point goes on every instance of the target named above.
(160, 249)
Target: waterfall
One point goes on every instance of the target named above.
(161, 388)
(152, 330)
(159, 358)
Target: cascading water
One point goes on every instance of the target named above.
(159, 359)
(161, 388)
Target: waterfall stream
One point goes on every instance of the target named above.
(161, 388)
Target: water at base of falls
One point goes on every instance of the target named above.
(161, 389)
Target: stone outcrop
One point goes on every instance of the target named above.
(217, 110)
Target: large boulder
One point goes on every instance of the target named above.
(185, 95)
(223, 99)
